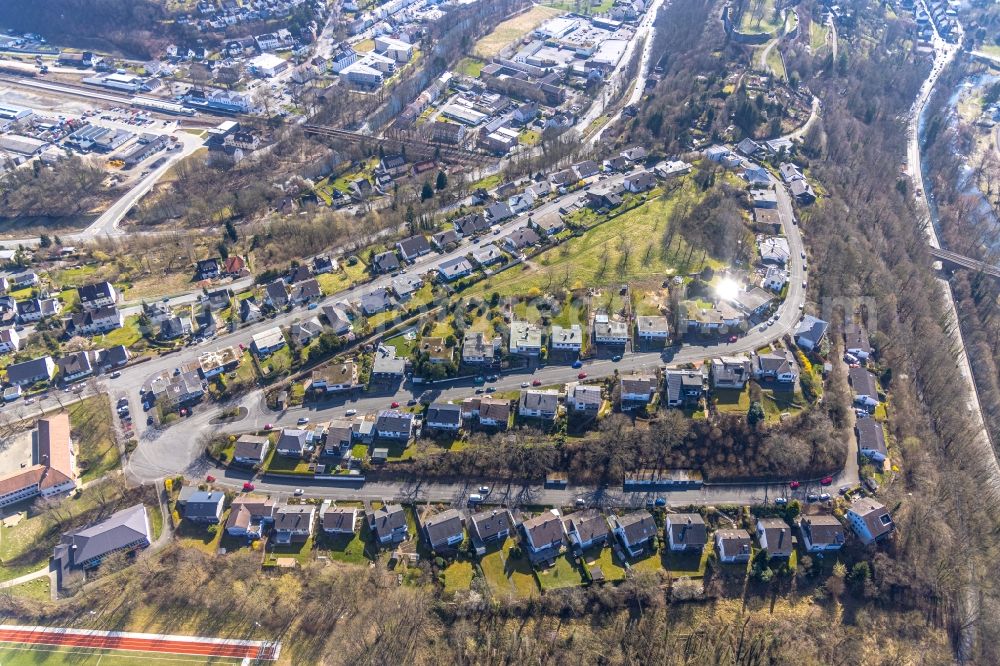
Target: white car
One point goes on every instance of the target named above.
(302, 421)
(350, 412)
(780, 501)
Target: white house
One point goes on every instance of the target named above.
(870, 520)
(821, 533)
(566, 339)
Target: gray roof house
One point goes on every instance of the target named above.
(204, 507)
(775, 536)
(488, 527)
(125, 530)
(634, 530)
(292, 442)
(389, 524)
(685, 531)
(810, 332)
(443, 416)
(444, 531)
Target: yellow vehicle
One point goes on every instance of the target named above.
(116, 164)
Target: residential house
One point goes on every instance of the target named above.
(385, 262)
(471, 224)
(767, 221)
(636, 390)
(156, 312)
(206, 325)
(548, 224)
(521, 202)
(389, 524)
(757, 176)
(520, 238)
(335, 377)
(586, 169)
(609, 331)
(445, 239)
(585, 398)
(249, 516)
(763, 198)
(685, 531)
(340, 520)
(339, 437)
(293, 523)
(694, 317)
(684, 388)
(587, 529)
(275, 294)
(455, 268)
(773, 250)
(643, 181)
(619, 163)
(634, 531)
(539, 404)
(36, 370)
(605, 197)
(113, 357)
(802, 192)
(821, 533)
(386, 366)
(652, 329)
(36, 309)
(99, 295)
(392, 165)
(733, 545)
(774, 536)
(863, 387)
(445, 132)
(775, 366)
(304, 332)
(234, 266)
(443, 416)
(775, 279)
(175, 327)
(323, 264)
(24, 280)
(214, 363)
(413, 247)
(498, 212)
(220, 299)
(566, 339)
(856, 339)
(291, 442)
(306, 291)
(525, 338)
(436, 349)
(337, 319)
(251, 449)
(392, 424)
(376, 301)
(810, 332)
(207, 269)
(267, 342)
(871, 439)
(444, 531)
(490, 527)
(127, 530)
(491, 412)
(487, 255)
(870, 520)
(753, 301)
(204, 507)
(249, 310)
(790, 172)
(543, 536)
(76, 365)
(730, 372)
(10, 341)
(477, 349)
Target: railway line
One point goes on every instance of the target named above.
(393, 140)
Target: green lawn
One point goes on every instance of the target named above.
(765, 19)
(404, 347)
(605, 559)
(458, 577)
(653, 563)
(360, 451)
(346, 276)
(277, 364)
(690, 565)
(627, 248)
(36, 590)
(343, 548)
(127, 335)
(93, 431)
(201, 537)
(731, 400)
(817, 35)
(585, 8)
(530, 138)
(470, 67)
(300, 552)
(74, 277)
(287, 465)
(777, 402)
(775, 63)
(564, 573)
(508, 576)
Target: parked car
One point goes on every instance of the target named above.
(824, 497)
(210, 479)
(826, 480)
(582, 375)
(303, 420)
(537, 382)
(484, 490)
(780, 501)
(794, 484)
(298, 492)
(580, 502)
(525, 384)
(812, 497)
(475, 498)
(578, 364)
(616, 358)
(248, 487)
(350, 412)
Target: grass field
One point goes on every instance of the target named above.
(32, 655)
(94, 434)
(127, 335)
(564, 573)
(470, 67)
(605, 559)
(775, 63)
(38, 590)
(731, 400)
(817, 36)
(599, 7)
(343, 548)
(627, 248)
(765, 19)
(458, 577)
(511, 29)
(508, 576)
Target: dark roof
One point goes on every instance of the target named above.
(863, 382)
(856, 337)
(871, 437)
(687, 529)
(19, 372)
(544, 528)
(339, 519)
(638, 526)
(276, 291)
(588, 525)
(443, 412)
(393, 421)
(489, 524)
(386, 261)
(778, 536)
(414, 246)
(116, 531)
(389, 518)
(294, 518)
(250, 446)
(822, 530)
(74, 363)
(93, 292)
(735, 542)
(442, 526)
(203, 504)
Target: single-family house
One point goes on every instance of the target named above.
(275, 294)
(392, 424)
(249, 310)
(810, 332)
(525, 338)
(444, 531)
(856, 341)
(762, 197)
(543, 535)
(802, 191)
(566, 339)
(291, 442)
(249, 516)
(539, 404)
(733, 545)
(10, 341)
(863, 387)
(730, 372)
(609, 331)
(375, 301)
(775, 279)
(234, 266)
(25, 373)
(585, 398)
(685, 531)
(251, 449)
(306, 291)
(587, 529)
(95, 322)
(443, 240)
(871, 439)
(207, 269)
(175, 327)
(490, 527)
(335, 377)
(443, 417)
(99, 295)
(634, 531)
(790, 172)
(340, 520)
(293, 523)
(204, 507)
(652, 329)
(487, 255)
(870, 520)
(267, 342)
(775, 366)
(520, 238)
(821, 533)
(389, 524)
(323, 264)
(413, 247)
(304, 332)
(471, 224)
(636, 390)
(477, 349)
(775, 536)
(643, 181)
(385, 262)
(76, 365)
(337, 319)
(455, 268)
(684, 388)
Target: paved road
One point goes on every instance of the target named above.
(177, 449)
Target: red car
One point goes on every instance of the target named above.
(733, 338)
(394, 405)
(826, 480)
(268, 426)
(582, 375)
(210, 479)
(247, 487)
(794, 484)
(537, 382)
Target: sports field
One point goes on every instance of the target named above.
(32, 655)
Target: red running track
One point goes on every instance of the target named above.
(107, 642)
